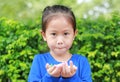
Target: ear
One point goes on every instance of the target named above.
(43, 35)
(75, 33)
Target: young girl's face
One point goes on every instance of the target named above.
(59, 35)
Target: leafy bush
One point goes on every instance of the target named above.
(98, 40)
(18, 44)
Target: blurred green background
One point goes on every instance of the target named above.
(98, 38)
(28, 11)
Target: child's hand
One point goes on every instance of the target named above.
(68, 71)
(54, 70)
(61, 70)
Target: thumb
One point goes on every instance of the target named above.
(47, 66)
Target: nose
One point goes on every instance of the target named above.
(59, 40)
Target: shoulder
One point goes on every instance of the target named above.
(41, 56)
(79, 57)
(81, 61)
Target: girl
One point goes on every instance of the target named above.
(59, 65)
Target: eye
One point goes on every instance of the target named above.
(66, 33)
(53, 34)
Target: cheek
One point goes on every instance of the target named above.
(69, 42)
(50, 43)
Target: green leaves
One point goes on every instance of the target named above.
(18, 45)
(98, 40)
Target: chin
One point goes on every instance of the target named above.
(61, 52)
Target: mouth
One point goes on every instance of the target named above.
(59, 47)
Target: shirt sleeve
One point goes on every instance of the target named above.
(84, 73)
(35, 74)
(74, 78)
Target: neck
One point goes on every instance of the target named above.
(61, 57)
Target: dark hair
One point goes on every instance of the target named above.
(56, 10)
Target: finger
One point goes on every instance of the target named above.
(63, 68)
(59, 65)
(57, 70)
(68, 71)
(71, 67)
(47, 66)
(67, 68)
(75, 68)
(66, 64)
(71, 64)
(50, 69)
